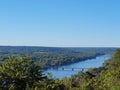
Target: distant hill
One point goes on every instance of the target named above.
(32, 49)
(54, 56)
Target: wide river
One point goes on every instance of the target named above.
(68, 70)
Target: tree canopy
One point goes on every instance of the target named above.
(21, 73)
(17, 73)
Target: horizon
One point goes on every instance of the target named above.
(61, 23)
(53, 46)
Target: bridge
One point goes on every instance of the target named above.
(70, 69)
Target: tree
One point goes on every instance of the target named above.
(56, 85)
(17, 73)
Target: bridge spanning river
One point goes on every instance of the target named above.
(70, 69)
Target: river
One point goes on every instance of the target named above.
(68, 70)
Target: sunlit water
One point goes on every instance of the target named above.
(68, 70)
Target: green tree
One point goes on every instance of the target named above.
(56, 85)
(17, 73)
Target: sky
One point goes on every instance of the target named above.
(60, 23)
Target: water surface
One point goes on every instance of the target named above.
(68, 70)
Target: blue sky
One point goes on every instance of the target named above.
(60, 23)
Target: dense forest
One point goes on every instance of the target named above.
(48, 57)
(21, 73)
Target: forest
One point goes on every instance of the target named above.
(52, 57)
(22, 73)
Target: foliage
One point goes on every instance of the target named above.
(48, 57)
(16, 73)
(22, 73)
